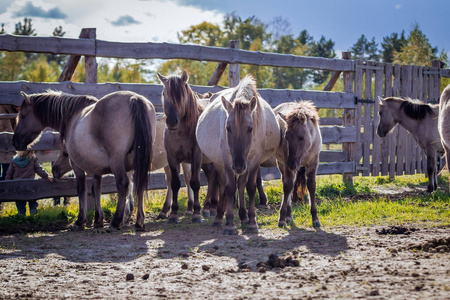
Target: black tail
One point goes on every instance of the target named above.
(300, 189)
(143, 144)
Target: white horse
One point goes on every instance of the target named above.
(238, 131)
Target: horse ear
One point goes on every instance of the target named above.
(282, 117)
(185, 77)
(380, 99)
(226, 104)
(162, 78)
(253, 103)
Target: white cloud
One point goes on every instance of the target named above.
(155, 20)
(398, 6)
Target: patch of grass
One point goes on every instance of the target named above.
(339, 204)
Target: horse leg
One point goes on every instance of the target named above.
(287, 177)
(311, 184)
(209, 173)
(122, 183)
(252, 226)
(447, 159)
(175, 185)
(431, 169)
(230, 192)
(195, 184)
(96, 190)
(140, 215)
(262, 195)
(221, 206)
(166, 206)
(129, 206)
(187, 178)
(243, 216)
(82, 197)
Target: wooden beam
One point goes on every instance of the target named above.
(72, 62)
(220, 67)
(234, 75)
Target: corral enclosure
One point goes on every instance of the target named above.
(363, 152)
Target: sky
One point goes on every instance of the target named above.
(343, 21)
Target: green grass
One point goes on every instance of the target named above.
(339, 204)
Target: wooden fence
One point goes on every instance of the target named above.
(356, 137)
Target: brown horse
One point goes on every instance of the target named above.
(419, 119)
(300, 146)
(114, 135)
(182, 110)
(238, 131)
(444, 122)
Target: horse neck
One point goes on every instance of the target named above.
(192, 113)
(405, 121)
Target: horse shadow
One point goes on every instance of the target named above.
(167, 241)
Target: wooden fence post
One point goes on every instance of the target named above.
(233, 71)
(348, 118)
(221, 66)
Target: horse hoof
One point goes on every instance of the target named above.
(113, 228)
(189, 213)
(197, 219)
(217, 223)
(316, 223)
(282, 224)
(98, 225)
(251, 229)
(173, 220)
(140, 228)
(161, 216)
(244, 222)
(206, 214)
(289, 220)
(76, 227)
(229, 230)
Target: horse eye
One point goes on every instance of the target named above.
(250, 129)
(228, 128)
(300, 138)
(66, 154)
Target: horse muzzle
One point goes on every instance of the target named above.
(239, 169)
(19, 145)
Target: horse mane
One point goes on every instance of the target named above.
(244, 92)
(300, 112)
(56, 108)
(413, 108)
(176, 91)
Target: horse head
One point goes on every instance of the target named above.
(387, 119)
(61, 165)
(29, 127)
(175, 94)
(239, 130)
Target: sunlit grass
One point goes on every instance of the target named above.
(338, 204)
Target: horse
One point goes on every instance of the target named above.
(298, 154)
(159, 160)
(182, 109)
(444, 122)
(238, 131)
(112, 135)
(419, 119)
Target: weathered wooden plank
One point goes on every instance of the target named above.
(10, 93)
(205, 53)
(378, 92)
(234, 75)
(367, 121)
(54, 45)
(331, 121)
(72, 62)
(419, 96)
(332, 156)
(48, 141)
(334, 77)
(338, 134)
(445, 72)
(406, 92)
(388, 165)
(358, 115)
(90, 62)
(348, 115)
(221, 66)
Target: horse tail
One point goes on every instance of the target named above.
(143, 144)
(300, 189)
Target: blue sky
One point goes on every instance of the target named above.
(156, 20)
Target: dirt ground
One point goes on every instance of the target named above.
(197, 262)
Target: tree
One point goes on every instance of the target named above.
(390, 44)
(58, 31)
(363, 49)
(246, 31)
(204, 34)
(322, 48)
(25, 29)
(417, 50)
(2, 31)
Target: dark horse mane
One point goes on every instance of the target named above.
(55, 108)
(413, 108)
(178, 90)
(300, 111)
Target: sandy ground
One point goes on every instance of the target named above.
(197, 262)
